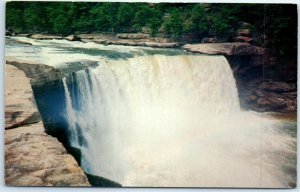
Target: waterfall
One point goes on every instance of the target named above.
(158, 120)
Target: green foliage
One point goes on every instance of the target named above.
(277, 22)
(147, 16)
(197, 20)
(124, 17)
(59, 17)
(102, 16)
(173, 23)
(34, 17)
(14, 16)
(281, 28)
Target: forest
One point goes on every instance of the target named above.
(277, 22)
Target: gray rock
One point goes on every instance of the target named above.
(38, 73)
(224, 49)
(72, 38)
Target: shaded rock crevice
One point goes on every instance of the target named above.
(49, 158)
(32, 157)
(263, 85)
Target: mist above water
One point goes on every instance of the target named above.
(172, 121)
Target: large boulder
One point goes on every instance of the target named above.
(266, 96)
(271, 103)
(224, 49)
(72, 38)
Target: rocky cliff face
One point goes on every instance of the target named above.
(264, 85)
(32, 157)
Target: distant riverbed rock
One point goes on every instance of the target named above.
(32, 157)
(129, 39)
(45, 37)
(72, 38)
(224, 49)
(133, 36)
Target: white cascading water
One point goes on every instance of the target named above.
(172, 121)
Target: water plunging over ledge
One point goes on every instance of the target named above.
(169, 121)
(165, 120)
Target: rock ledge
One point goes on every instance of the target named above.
(32, 157)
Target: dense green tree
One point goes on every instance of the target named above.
(173, 23)
(102, 16)
(34, 17)
(281, 28)
(197, 19)
(147, 16)
(59, 19)
(124, 19)
(14, 16)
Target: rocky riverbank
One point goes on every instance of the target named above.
(32, 157)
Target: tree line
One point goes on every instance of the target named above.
(277, 22)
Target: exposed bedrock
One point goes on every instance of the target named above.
(19, 102)
(38, 73)
(129, 40)
(46, 36)
(32, 157)
(266, 82)
(224, 49)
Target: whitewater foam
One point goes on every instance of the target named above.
(174, 121)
